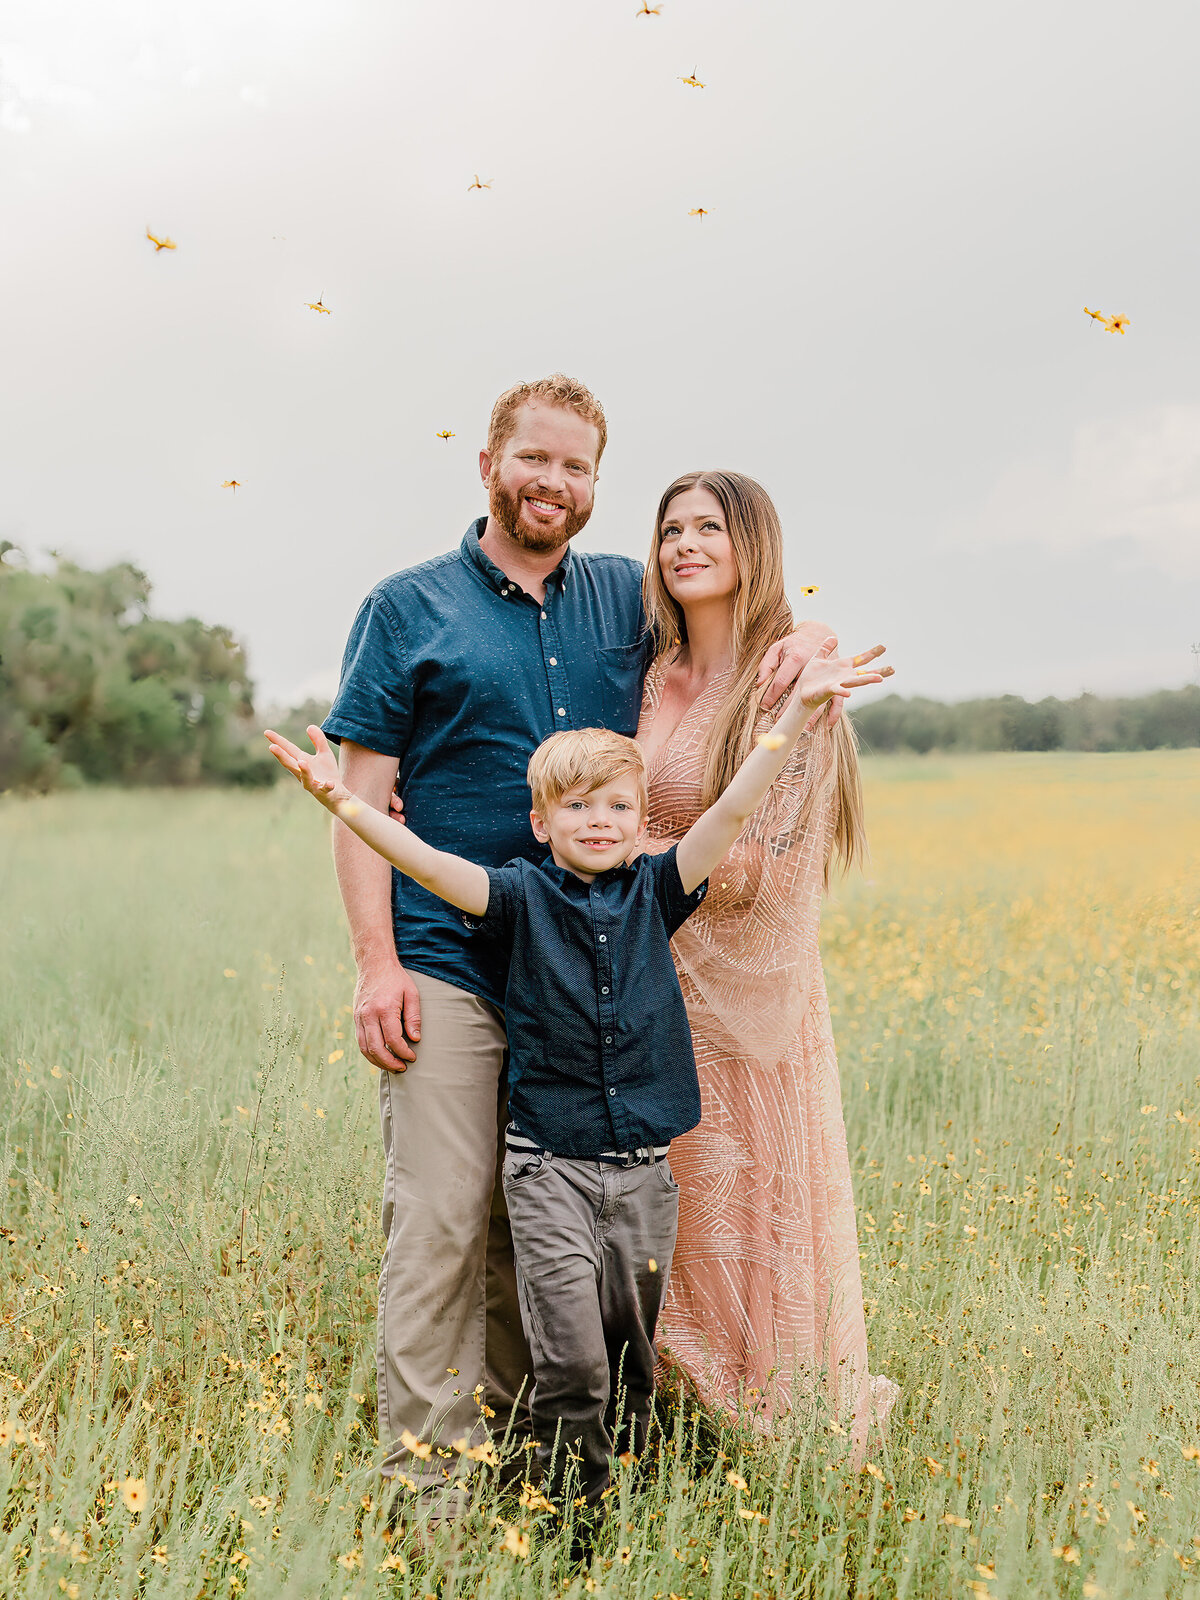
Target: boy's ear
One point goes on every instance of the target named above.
(539, 828)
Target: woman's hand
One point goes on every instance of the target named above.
(318, 773)
(828, 679)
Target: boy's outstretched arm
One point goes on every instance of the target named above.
(826, 677)
(464, 884)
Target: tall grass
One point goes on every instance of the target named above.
(191, 1174)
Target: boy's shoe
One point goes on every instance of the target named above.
(585, 1533)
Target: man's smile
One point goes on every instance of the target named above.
(545, 507)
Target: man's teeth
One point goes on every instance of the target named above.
(543, 505)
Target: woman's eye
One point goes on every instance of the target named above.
(670, 533)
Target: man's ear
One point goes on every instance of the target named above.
(539, 828)
(485, 465)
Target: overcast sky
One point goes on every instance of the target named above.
(881, 317)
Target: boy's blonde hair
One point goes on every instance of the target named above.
(583, 758)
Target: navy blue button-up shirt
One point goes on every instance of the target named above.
(600, 1052)
(455, 669)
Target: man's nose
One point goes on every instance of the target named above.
(553, 477)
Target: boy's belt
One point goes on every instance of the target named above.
(645, 1155)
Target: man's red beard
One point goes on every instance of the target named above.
(506, 508)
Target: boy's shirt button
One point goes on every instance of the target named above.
(553, 661)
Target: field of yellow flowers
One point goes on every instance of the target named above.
(189, 1235)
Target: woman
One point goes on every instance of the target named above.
(765, 1298)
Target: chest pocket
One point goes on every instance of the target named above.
(621, 667)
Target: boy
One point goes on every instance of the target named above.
(601, 1071)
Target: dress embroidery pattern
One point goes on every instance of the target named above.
(764, 1305)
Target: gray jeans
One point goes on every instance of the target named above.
(593, 1246)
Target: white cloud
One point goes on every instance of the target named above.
(25, 83)
(1133, 484)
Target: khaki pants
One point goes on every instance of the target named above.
(447, 1287)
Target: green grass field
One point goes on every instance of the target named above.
(190, 1228)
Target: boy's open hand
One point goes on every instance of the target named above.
(829, 679)
(318, 773)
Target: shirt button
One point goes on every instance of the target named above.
(604, 990)
(612, 1091)
(553, 661)
(608, 1038)
(603, 938)
(543, 616)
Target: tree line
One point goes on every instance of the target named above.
(94, 688)
(1168, 719)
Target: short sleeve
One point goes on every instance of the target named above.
(374, 704)
(506, 891)
(675, 904)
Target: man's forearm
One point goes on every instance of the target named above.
(365, 881)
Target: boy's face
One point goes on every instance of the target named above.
(591, 830)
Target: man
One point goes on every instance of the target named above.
(454, 672)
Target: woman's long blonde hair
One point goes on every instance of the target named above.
(761, 616)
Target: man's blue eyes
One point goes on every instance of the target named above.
(572, 466)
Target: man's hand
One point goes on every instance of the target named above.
(387, 1016)
(786, 660)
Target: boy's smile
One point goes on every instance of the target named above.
(591, 831)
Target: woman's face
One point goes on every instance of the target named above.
(695, 552)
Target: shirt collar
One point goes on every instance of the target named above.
(563, 876)
(473, 554)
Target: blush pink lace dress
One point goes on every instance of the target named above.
(764, 1306)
